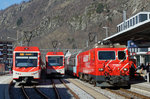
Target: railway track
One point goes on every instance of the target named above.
(55, 89)
(95, 94)
(37, 90)
(115, 93)
(24, 92)
(128, 94)
(57, 92)
(135, 94)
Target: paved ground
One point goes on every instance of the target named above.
(4, 85)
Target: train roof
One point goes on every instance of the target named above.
(97, 45)
(26, 48)
(55, 53)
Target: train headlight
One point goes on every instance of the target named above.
(101, 69)
(18, 73)
(125, 69)
(34, 73)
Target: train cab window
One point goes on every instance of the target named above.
(106, 55)
(142, 17)
(121, 55)
(26, 59)
(55, 60)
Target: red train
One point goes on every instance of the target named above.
(26, 64)
(103, 65)
(55, 64)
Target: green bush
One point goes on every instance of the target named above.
(74, 46)
(100, 8)
(19, 21)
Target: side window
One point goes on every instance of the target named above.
(121, 55)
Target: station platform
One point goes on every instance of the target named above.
(5, 81)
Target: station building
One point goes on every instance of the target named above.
(6, 53)
(135, 33)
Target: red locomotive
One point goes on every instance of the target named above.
(103, 65)
(26, 64)
(55, 63)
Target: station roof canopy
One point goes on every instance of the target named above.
(137, 32)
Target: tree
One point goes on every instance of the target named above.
(19, 21)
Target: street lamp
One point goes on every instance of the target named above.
(106, 31)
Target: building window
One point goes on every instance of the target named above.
(130, 22)
(4, 57)
(4, 52)
(133, 21)
(4, 47)
(136, 20)
(142, 17)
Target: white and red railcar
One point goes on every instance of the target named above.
(55, 63)
(104, 66)
(26, 64)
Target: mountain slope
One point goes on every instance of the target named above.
(68, 21)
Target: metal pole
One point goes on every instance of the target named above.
(96, 38)
(106, 31)
(124, 19)
(87, 43)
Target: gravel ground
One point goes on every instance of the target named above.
(82, 94)
(64, 93)
(102, 91)
(141, 88)
(46, 88)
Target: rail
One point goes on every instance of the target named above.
(136, 94)
(56, 91)
(40, 93)
(24, 92)
(74, 94)
(123, 95)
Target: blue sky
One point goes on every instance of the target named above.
(6, 3)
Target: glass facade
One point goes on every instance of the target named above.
(142, 17)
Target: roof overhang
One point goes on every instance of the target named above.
(140, 31)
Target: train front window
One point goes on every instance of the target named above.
(26, 59)
(106, 55)
(121, 55)
(55, 60)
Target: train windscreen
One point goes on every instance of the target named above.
(55, 60)
(26, 59)
(106, 55)
(121, 55)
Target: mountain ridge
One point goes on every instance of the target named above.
(67, 21)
